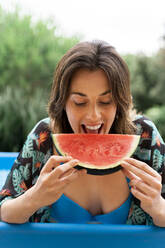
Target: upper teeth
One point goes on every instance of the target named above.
(93, 127)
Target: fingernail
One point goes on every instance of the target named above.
(124, 163)
(75, 161)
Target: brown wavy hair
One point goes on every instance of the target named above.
(92, 55)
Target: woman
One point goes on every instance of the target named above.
(90, 94)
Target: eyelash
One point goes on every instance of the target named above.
(103, 103)
(80, 104)
(106, 103)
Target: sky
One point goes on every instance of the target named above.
(131, 26)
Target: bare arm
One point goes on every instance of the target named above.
(49, 187)
(20, 209)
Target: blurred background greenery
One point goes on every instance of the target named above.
(29, 53)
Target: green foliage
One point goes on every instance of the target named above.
(148, 85)
(18, 115)
(29, 52)
(145, 81)
(157, 115)
(159, 72)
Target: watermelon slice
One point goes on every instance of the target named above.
(99, 153)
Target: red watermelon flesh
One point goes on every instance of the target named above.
(96, 151)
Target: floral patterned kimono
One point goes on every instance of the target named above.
(39, 147)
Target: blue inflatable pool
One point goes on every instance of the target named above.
(34, 235)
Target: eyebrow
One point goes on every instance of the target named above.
(81, 94)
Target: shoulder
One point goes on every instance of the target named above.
(41, 126)
(143, 122)
(39, 139)
(146, 128)
(151, 148)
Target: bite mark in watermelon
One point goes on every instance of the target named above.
(98, 153)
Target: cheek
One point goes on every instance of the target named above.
(111, 115)
(112, 112)
(72, 118)
(72, 114)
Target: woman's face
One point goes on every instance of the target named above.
(90, 107)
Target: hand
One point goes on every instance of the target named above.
(54, 178)
(145, 185)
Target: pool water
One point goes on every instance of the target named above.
(3, 175)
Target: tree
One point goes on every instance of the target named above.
(147, 81)
(148, 85)
(29, 53)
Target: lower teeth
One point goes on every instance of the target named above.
(91, 130)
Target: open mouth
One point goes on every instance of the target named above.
(92, 129)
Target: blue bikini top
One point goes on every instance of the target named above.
(64, 210)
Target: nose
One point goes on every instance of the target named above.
(93, 113)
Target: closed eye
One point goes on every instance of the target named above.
(84, 103)
(106, 103)
(80, 104)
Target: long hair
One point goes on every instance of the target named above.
(92, 55)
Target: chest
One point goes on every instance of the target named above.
(99, 194)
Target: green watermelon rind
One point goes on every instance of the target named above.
(91, 166)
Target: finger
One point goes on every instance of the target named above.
(143, 166)
(54, 161)
(68, 172)
(144, 188)
(153, 181)
(63, 168)
(128, 174)
(70, 178)
(139, 195)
